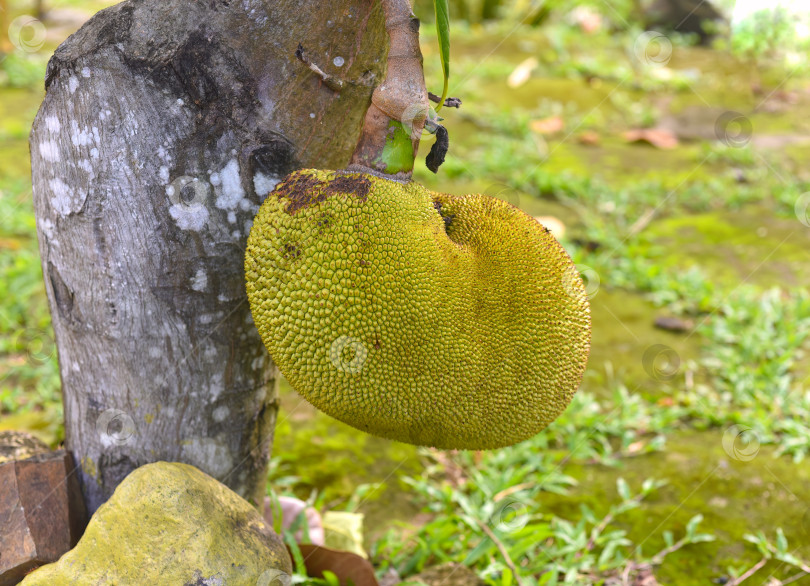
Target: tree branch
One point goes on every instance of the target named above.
(449, 102)
(751, 571)
(499, 544)
(332, 82)
(401, 97)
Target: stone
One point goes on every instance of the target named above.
(683, 16)
(170, 523)
(42, 513)
(19, 445)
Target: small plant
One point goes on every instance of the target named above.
(770, 552)
(504, 536)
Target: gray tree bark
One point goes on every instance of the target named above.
(165, 124)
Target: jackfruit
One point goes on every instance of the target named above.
(432, 319)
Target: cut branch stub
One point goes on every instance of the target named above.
(399, 105)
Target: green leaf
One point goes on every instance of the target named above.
(668, 538)
(781, 542)
(623, 489)
(506, 577)
(691, 526)
(484, 547)
(443, 32)
(703, 537)
(276, 508)
(397, 154)
(331, 578)
(298, 559)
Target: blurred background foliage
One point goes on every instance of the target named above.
(665, 143)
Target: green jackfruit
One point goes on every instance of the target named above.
(453, 322)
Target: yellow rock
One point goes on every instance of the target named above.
(454, 322)
(169, 523)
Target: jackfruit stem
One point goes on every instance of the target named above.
(399, 105)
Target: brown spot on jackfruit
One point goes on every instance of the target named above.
(300, 191)
(357, 186)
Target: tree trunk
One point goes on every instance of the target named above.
(165, 124)
(683, 16)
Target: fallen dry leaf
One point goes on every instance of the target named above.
(635, 447)
(10, 244)
(589, 138)
(550, 125)
(673, 324)
(588, 19)
(522, 72)
(348, 567)
(658, 137)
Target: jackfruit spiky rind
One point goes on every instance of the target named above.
(453, 322)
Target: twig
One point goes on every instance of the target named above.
(751, 571)
(512, 490)
(510, 564)
(449, 102)
(795, 577)
(642, 222)
(597, 531)
(801, 564)
(626, 574)
(658, 558)
(332, 82)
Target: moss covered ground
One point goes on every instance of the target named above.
(713, 232)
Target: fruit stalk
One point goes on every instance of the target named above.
(399, 105)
